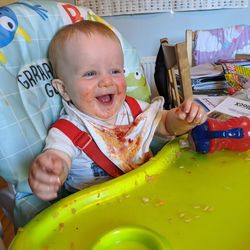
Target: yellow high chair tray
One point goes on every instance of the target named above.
(179, 200)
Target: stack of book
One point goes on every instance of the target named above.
(208, 79)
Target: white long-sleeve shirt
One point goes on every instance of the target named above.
(126, 143)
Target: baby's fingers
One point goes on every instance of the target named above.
(40, 175)
(187, 111)
(45, 192)
(197, 115)
(43, 185)
(192, 115)
(187, 105)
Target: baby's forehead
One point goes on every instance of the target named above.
(93, 34)
(82, 43)
(83, 40)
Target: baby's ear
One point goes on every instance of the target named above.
(60, 87)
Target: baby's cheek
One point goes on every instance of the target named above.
(124, 84)
(123, 87)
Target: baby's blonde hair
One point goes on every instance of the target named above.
(68, 32)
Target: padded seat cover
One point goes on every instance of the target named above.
(28, 102)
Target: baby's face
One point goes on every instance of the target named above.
(93, 75)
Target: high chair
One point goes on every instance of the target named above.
(178, 70)
(28, 102)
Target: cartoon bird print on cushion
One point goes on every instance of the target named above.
(137, 86)
(9, 26)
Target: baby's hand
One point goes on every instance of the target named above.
(48, 172)
(191, 112)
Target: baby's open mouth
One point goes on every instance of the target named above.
(105, 99)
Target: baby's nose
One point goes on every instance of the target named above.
(105, 81)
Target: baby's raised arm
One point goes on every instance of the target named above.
(48, 172)
(180, 120)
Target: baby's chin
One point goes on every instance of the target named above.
(105, 115)
(110, 119)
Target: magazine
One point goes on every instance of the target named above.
(230, 107)
(209, 102)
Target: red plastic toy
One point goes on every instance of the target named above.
(214, 135)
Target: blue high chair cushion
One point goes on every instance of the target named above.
(28, 102)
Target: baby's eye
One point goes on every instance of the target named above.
(89, 73)
(116, 71)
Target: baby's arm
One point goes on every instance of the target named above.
(48, 172)
(180, 120)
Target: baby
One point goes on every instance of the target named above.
(99, 128)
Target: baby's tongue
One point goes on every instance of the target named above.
(104, 98)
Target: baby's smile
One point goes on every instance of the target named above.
(105, 99)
